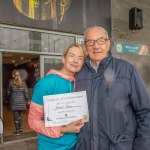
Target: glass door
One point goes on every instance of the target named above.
(49, 62)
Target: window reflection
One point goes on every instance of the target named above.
(22, 40)
(51, 63)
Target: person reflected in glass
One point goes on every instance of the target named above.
(18, 96)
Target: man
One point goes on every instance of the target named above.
(119, 105)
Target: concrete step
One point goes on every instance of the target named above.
(27, 141)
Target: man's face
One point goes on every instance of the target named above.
(99, 50)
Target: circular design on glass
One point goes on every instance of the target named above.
(43, 9)
(119, 47)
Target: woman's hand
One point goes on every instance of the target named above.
(73, 127)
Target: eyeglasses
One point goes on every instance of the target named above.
(99, 41)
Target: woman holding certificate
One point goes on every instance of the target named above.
(57, 82)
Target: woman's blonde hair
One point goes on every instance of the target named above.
(17, 81)
(74, 45)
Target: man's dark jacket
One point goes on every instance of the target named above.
(119, 107)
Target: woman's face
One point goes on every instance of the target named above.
(74, 60)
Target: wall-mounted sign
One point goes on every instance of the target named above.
(128, 48)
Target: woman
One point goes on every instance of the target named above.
(57, 82)
(17, 92)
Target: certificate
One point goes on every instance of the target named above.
(62, 109)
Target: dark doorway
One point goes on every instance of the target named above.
(26, 64)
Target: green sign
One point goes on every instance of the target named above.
(128, 48)
(35, 45)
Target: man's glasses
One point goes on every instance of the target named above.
(99, 41)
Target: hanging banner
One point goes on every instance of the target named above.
(128, 48)
(71, 16)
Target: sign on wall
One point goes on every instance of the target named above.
(128, 48)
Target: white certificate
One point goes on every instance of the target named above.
(62, 109)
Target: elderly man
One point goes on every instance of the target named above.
(119, 104)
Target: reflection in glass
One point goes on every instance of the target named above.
(59, 42)
(22, 40)
(35, 41)
(51, 63)
(13, 39)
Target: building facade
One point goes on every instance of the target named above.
(34, 33)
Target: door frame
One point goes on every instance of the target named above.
(1, 92)
(1, 84)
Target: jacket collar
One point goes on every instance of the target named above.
(103, 64)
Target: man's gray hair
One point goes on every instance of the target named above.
(97, 27)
